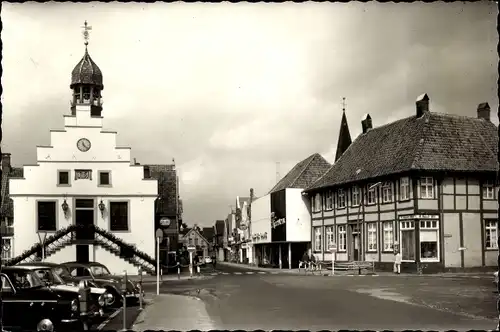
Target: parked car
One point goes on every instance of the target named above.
(208, 260)
(48, 274)
(30, 306)
(101, 277)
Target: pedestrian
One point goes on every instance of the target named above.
(214, 261)
(312, 261)
(304, 261)
(397, 262)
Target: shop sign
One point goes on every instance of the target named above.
(276, 223)
(419, 216)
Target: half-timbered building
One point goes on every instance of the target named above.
(424, 185)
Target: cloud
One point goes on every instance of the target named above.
(229, 90)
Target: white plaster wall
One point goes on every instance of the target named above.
(298, 218)
(490, 258)
(127, 183)
(261, 217)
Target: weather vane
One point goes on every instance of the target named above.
(86, 29)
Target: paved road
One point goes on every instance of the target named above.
(237, 300)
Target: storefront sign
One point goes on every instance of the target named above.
(419, 216)
(276, 223)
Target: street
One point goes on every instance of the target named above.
(239, 299)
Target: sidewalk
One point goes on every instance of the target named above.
(327, 272)
(174, 312)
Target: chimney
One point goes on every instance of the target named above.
(483, 111)
(147, 172)
(5, 162)
(422, 105)
(366, 123)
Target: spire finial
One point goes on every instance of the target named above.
(86, 29)
(343, 104)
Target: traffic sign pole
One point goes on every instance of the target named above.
(159, 238)
(333, 250)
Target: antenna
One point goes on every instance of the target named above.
(278, 172)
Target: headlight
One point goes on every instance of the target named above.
(102, 300)
(138, 285)
(74, 305)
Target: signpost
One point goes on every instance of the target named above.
(191, 249)
(124, 291)
(333, 250)
(159, 238)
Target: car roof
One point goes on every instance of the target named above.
(83, 264)
(30, 267)
(39, 264)
(16, 267)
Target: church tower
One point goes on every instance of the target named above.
(344, 135)
(86, 82)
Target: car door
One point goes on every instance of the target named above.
(8, 301)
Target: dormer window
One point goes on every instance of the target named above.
(341, 199)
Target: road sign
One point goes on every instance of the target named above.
(191, 248)
(332, 247)
(164, 222)
(159, 234)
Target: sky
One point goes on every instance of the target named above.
(237, 93)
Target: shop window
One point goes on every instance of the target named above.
(491, 234)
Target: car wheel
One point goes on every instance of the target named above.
(117, 298)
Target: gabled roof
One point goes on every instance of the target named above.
(6, 204)
(433, 142)
(184, 231)
(304, 173)
(199, 233)
(242, 200)
(208, 232)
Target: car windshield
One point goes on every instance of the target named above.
(24, 279)
(49, 276)
(62, 272)
(100, 271)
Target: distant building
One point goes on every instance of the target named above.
(219, 239)
(194, 237)
(6, 205)
(424, 185)
(281, 221)
(168, 210)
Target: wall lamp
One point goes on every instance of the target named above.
(102, 207)
(65, 208)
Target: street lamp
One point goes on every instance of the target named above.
(361, 203)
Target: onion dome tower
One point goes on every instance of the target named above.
(86, 81)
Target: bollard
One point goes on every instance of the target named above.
(198, 269)
(84, 298)
(178, 270)
(124, 291)
(140, 289)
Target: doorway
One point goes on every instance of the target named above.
(84, 217)
(355, 244)
(355, 251)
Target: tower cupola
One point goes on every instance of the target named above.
(86, 81)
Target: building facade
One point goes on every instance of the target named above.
(193, 237)
(83, 178)
(282, 237)
(423, 185)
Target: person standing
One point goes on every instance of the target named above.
(305, 260)
(397, 262)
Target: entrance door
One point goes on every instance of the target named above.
(355, 240)
(84, 218)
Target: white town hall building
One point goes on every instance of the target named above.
(83, 178)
